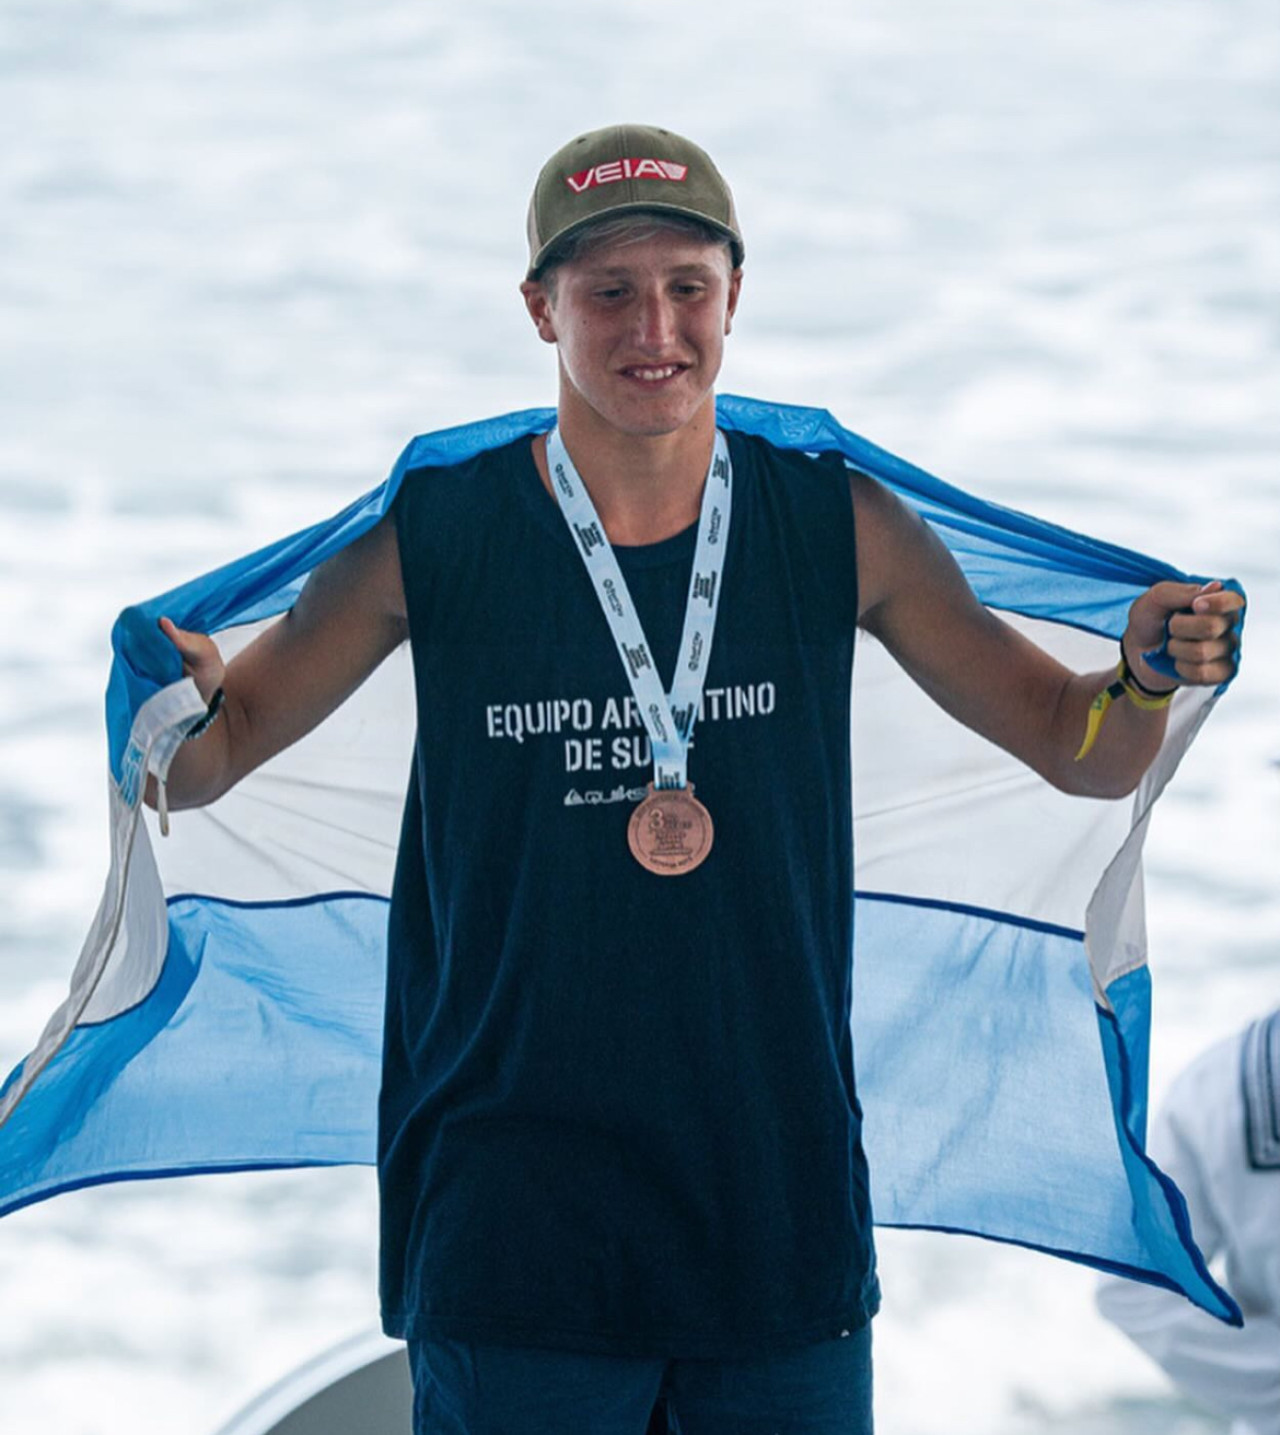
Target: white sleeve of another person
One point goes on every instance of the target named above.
(1199, 1139)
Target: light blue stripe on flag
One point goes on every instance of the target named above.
(259, 1046)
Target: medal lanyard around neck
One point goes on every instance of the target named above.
(668, 718)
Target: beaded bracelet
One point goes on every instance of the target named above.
(202, 726)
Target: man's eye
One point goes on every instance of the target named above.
(610, 293)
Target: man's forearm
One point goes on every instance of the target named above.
(1127, 741)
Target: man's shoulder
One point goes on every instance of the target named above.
(472, 482)
(775, 458)
(439, 469)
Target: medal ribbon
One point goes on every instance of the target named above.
(668, 717)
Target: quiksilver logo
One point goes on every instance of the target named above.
(637, 657)
(720, 470)
(618, 169)
(704, 587)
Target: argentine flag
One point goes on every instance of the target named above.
(225, 1012)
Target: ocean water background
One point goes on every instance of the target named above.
(249, 249)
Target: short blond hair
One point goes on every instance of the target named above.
(627, 229)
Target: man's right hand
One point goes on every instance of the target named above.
(201, 659)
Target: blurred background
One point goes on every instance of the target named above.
(250, 249)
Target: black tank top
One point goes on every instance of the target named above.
(618, 1109)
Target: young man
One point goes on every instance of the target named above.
(620, 1142)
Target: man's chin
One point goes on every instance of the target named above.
(657, 416)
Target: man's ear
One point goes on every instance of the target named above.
(735, 289)
(538, 302)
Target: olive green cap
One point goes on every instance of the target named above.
(626, 167)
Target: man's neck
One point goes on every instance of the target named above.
(645, 488)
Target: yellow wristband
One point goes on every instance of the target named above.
(1122, 685)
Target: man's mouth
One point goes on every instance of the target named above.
(653, 375)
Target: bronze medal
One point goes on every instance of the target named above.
(670, 832)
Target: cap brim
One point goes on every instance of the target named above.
(633, 207)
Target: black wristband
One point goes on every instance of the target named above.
(1129, 676)
(202, 725)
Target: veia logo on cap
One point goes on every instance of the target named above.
(615, 169)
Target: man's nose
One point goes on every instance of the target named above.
(655, 322)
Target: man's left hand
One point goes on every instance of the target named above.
(1202, 627)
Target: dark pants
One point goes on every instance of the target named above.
(486, 1390)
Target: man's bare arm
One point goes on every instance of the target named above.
(350, 615)
(914, 598)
